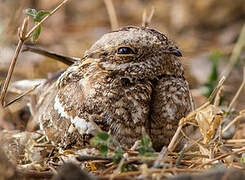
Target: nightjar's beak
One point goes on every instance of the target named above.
(173, 50)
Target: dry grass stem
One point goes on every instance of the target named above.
(161, 157)
(238, 92)
(118, 169)
(235, 53)
(235, 141)
(218, 96)
(21, 96)
(146, 20)
(233, 121)
(220, 84)
(112, 14)
(222, 156)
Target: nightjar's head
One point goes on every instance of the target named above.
(137, 52)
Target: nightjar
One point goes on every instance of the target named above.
(129, 79)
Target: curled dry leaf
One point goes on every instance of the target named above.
(208, 121)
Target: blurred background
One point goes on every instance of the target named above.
(205, 31)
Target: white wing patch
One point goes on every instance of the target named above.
(83, 126)
(58, 107)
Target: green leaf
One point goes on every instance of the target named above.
(103, 136)
(96, 141)
(146, 148)
(214, 75)
(128, 167)
(242, 160)
(145, 141)
(118, 155)
(40, 15)
(31, 12)
(214, 58)
(36, 34)
(103, 149)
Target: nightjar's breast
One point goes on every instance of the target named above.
(170, 102)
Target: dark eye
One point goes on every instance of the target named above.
(125, 50)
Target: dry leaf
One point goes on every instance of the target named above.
(208, 121)
(90, 166)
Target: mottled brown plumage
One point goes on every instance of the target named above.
(129, 79)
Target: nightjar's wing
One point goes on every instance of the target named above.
(58, 119)
(170, 102)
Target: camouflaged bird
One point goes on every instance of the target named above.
(129, 79)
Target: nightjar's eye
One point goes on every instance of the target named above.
(125, 51)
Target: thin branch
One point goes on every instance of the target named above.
(162, 156)
(118, 169)
(21, 96)
(220, 84)
(64, 59)
(222, 156)
(242, 115)
(10, 72)
(92, 158)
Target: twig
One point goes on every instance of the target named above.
(222, 156)
(235, 141)
(162, 155)
(21, 96)
(180, 157)
(64, 59)
(22, 34)
(218, 97)
(170, 170)
(220, 84)
(43, 145)
(235, 52)
(112, 14)
(34, 174)
(89, 158)
(233, 121)
(171, 144)
(118, 170)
